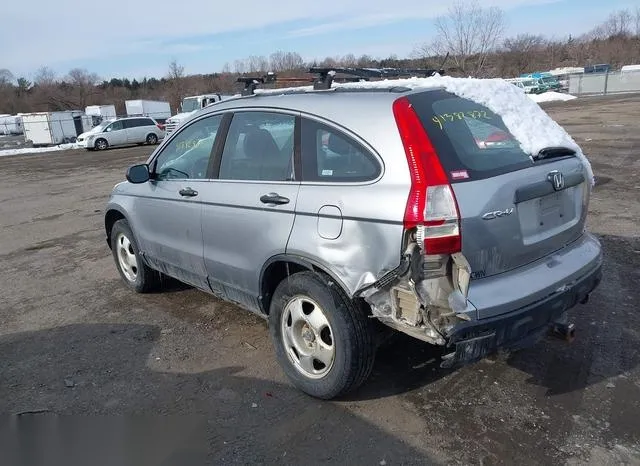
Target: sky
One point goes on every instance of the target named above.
(141, 37)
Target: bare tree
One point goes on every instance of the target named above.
(524, 43)
(44, 76)
(349, 60)
(239, 66)
(520, 51)
(364, 60)
(468, 32)
(285, 61)
(84, 83)
(256, 64)
(619, 23)
(636, 21)
(81, 77)
(176, 71)
(176, 83)
(6, 77)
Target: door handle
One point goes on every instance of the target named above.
(188, 192)
(274, 198)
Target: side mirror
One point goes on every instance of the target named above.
(138, 174)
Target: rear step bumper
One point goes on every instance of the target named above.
(473, 340)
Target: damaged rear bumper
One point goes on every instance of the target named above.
(473, 340)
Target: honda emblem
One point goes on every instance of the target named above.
(557, 179)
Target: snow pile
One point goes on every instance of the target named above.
(38, 150)
(532, 127)
(551, 96)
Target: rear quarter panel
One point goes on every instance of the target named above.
(355, 229)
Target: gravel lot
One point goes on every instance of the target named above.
(74, 340)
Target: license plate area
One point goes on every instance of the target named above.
(549, 215)
(551, 210)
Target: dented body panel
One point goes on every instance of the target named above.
(366, 239)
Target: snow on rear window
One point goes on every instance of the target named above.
(468, 135)
(531, 126)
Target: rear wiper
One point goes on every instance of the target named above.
(552, 152)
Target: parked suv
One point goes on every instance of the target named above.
(122, 131)
(333, 213)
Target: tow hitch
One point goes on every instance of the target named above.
(561, 328)
(566, 332)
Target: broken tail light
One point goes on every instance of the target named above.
(431, 206)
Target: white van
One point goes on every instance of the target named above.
(121, 132)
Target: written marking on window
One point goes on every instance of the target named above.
(441, 120)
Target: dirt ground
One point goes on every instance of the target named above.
(74, 340)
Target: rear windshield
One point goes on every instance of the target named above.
(472, 142)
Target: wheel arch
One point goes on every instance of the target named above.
(112, 215)
(279, 267)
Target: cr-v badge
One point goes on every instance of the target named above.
(497, 213)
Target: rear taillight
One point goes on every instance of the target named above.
(431, 207)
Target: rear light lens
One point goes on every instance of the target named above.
(431, 207)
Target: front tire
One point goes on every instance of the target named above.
(133, 271)
(152, 139)
(101, 144)
(323, 340)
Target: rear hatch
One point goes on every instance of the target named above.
(513, 210)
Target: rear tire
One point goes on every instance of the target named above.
(101, 144)
(152, 139)
(133, 271)
(324, 342)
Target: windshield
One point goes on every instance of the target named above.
(190, 104)
(549, 80)
(529, 82)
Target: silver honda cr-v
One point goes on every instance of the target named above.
(330, 212)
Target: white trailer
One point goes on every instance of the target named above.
(190, 105)
(151, 108)
(10, 124)
(106, 112)
(630, 69)
(53, 128)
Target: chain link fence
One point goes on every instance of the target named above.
(604, 83)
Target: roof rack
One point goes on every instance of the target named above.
(325, 76)
(250, 82)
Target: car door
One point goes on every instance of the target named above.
(116, 133)
(168, 219)
(132, 128)
(136, 130)
(249, 210)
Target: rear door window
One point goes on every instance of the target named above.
(330, 155)
(468, 137)
(259, 146)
